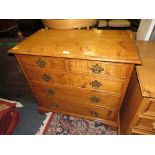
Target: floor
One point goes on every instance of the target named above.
(13, 86)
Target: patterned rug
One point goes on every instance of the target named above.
(67, 125)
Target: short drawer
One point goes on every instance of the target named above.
(76, 80)
(146, 123)
(45, 75)
(76, 95)
(117, 70)
(43, 62)
(74, 108)
(150, 108)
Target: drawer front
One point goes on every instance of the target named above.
(45, 75)
(95, 83)
(75, 108)
(76, 95)
(98, 68)
(76, 80)
(146, 124)
(43, 62)
(150, 108)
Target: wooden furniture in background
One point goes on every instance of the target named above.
(102, 23)
(83, 73)
(138, 110)
(68, 23)
(119, 23)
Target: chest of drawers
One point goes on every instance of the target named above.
(138, 109)
(83, 73)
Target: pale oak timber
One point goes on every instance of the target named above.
(138, 109)
(84, 73)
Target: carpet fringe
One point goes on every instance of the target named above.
(42, 127)
(18, 104)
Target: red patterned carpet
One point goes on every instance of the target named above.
(9, 116)
(67, 125)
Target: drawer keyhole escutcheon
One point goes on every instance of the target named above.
(50, 91)
(46, 78)
(41, 63)
(95, 99)
(95, 84)
(96, 69)
(94, 113)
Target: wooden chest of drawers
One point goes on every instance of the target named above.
(82, 73)
(138, 109)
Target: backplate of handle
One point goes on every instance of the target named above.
(96, 69)
(94, 99)
(50, 91)
(46, 77)
(95, 84)
(41, 63)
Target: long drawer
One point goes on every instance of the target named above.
(99, 68)
(76, 95)
(61, 106)
(76, 80)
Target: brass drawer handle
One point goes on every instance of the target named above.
(95, 84)
(96, 69)
(41, 63)
(50, 91)
(54, 105)
(94, 113)
(95, 99)
(46, 77)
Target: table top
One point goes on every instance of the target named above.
(103, 45)
(146, 72)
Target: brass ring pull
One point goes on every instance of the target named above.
(51, 91)
(95, 99)
(41, 63)
(94, 113)
(96, 69)
(46, 77)
(95, 84)
(54, 105)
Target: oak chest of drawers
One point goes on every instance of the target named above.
(138, 109)
(83, 73)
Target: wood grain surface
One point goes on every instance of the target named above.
(146, 72)
(83, 73)
(104, 45)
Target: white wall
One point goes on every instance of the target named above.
(145, 29)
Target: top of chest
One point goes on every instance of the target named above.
(103, 45)
(146, 71)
